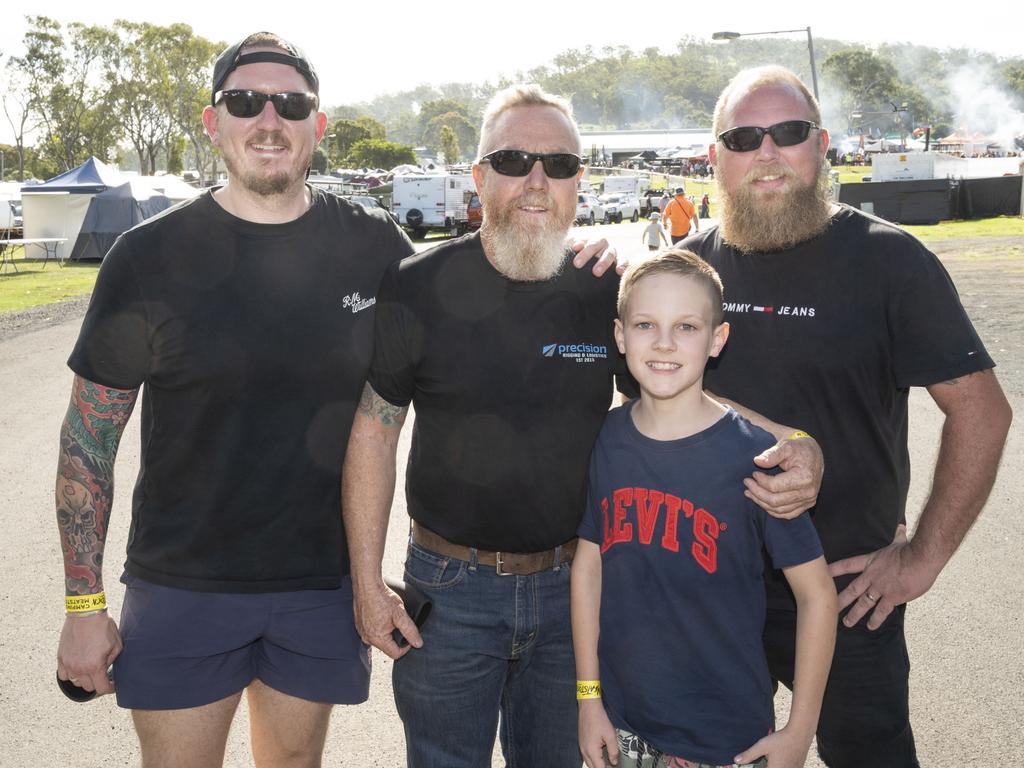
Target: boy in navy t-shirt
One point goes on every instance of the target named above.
(668, 598)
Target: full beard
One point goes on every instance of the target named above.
(258, 181)
(520, 251)
(754, 220)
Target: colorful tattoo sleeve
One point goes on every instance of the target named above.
(89, 437)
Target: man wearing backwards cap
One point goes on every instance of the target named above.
(248, 314)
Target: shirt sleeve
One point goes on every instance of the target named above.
(790, 542)
(933, 339)
(591, 522)
(392, 371)
(113, 347)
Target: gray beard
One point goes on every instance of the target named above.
(524, 256)
(523, 253)
(755, 222)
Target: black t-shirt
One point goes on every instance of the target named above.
(253, 342)
(829, 336)
(510, 382)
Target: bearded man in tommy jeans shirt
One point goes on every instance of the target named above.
(835, 315)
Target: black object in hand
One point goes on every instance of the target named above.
(417, 605)
(75, 692)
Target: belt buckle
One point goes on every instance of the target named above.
(498, 563)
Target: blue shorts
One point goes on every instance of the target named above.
(185, 649)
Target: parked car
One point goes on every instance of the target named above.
(589, 209)
(370, 202)
(474, 212)
(619, 206)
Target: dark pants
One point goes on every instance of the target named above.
(865, 716)
(679, 238)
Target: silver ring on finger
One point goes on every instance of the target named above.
(871, 597)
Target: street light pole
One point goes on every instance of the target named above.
(810, 47)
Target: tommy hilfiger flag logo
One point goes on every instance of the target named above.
(767, 310)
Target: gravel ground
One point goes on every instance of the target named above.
(16, 323)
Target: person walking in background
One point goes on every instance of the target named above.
(654, 235)
(680, 212)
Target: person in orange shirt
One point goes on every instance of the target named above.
(680, 212)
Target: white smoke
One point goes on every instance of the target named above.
(978, 105)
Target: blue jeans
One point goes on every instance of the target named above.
(491, 644)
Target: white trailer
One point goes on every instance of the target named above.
(628, 185)
(424, 203)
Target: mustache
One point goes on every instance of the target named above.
(270, 137)
(769, 170)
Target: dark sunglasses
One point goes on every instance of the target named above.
(290, 106)
(748, 138)
(515, 162)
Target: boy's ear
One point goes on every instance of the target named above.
(620, 336)
(718, 339)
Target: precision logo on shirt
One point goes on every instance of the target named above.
(357, 302)
(581, 353)
(783, 310)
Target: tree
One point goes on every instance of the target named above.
(18, 110)
(343, 133)
(379, 153)
(865, 81)
(449, 145)
(181, 63)
(459, 125)
(67, 91)
(135, 74)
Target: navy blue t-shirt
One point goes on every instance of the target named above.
(682, 584)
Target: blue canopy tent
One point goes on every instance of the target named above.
(57, 207)
(112, 213)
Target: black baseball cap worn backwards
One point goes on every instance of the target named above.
(232, 58)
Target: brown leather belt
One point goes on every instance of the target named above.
(506, 563)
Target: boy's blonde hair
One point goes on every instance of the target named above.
(675, 261)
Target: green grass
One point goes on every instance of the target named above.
(852, 174)
(1001, 226)
(33, 286)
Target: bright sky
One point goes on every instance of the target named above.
(362, 48)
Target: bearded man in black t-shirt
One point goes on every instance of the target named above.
(834, 316)
(510, 361)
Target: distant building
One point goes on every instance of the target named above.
(617, 147)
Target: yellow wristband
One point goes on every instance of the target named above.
(588, 689)
(798, 435)
(82, 603)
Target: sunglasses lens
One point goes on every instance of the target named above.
(294, 106)
(509, 162)
(561, 166)
(290, 106)
(742, 139)
(790, 133)
(244, 103)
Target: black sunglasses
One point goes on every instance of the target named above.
(515, 162)
(290, 106)
(748, 138)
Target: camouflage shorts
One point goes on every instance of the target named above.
(634, 752)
